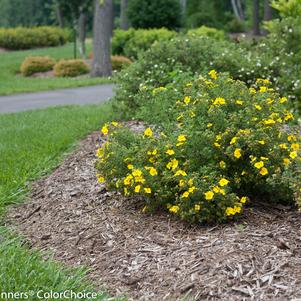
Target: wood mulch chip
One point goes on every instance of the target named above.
(156, 257)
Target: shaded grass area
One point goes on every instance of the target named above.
(12, 82)
(31, 145)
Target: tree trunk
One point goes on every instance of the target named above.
(256, 28)
(82, 32)
(240, 10)
(124, 21)
(267, 14)
(101, 65)
(59, 14)
(183, 6)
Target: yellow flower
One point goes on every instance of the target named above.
(237, 153)
(190, 182)
(222, 164)
(269, 122)
(100, 179)
(130, 166)
(153, 172)
(147, 190)
(180, 173)
(283, 99)
(128, 180)
(192, 189)
(283, 146)
(100, 152)
(209, 125)
(170, 152)
(263, 171)
(182, 183)
(213, 74)
(217, 145)
(137, 173)
(243, 199)
(293, 155)
(286, 161)
(239, 102)
(148, 132)
(252, 90)
(187, 100)
(259, 164)
(258, 107)
(219, 101)
(230, 211)
(126, 192)
(174, 209)
(263, 89)
(288, 116)
(223, 182)
(114, 123)
(262, 142)
(139, 180)
(291, 138)
(218, 137)
(137, 188)
(105, 130)
(173, 164)
(182, 138)
(295, 146)
(209, 195)
(197, 208)
(233, 140)
(185, 194)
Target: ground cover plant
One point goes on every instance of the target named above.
(224, 144)
(32, 144)
(70, 68)
(12, 82)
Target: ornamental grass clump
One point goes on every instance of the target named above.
(229, 145)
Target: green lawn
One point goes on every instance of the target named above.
(31, 145)
(12, 82)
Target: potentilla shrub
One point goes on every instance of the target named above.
(229, 145)
(34, 64)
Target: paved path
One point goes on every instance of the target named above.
(76, 96)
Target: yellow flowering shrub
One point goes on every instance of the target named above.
(231, 145)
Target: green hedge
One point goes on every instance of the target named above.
(28, 38)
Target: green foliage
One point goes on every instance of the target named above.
(225, 144)
(34, 64)
(154, 13)
(287, 8)
(132, 42)
(120, 62)
(207, 31)
(28, 38)
(70, 68)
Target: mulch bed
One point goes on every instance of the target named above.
(155, 257)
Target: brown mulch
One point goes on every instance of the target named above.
(155, 257)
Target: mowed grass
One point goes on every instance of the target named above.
(12, 82)
(31, 145)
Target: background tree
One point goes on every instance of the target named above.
(124, 21)
(256, 21)
(102, 30)
(154, 13)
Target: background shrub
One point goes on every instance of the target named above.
(120, 62)
(132, 42)
(224, 144)
(154, 13)
(34, 64)
(70, 68)
(28, 38)
(207, 31)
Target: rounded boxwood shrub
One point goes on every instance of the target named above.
(28, 38)
(228, 145)
(120, 62)
(34, 64)
(70, 68)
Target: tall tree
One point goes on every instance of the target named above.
(237, 9)
(124, 21)
(267, 15)
(82, 31)
(256, 26)
(102, 29)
